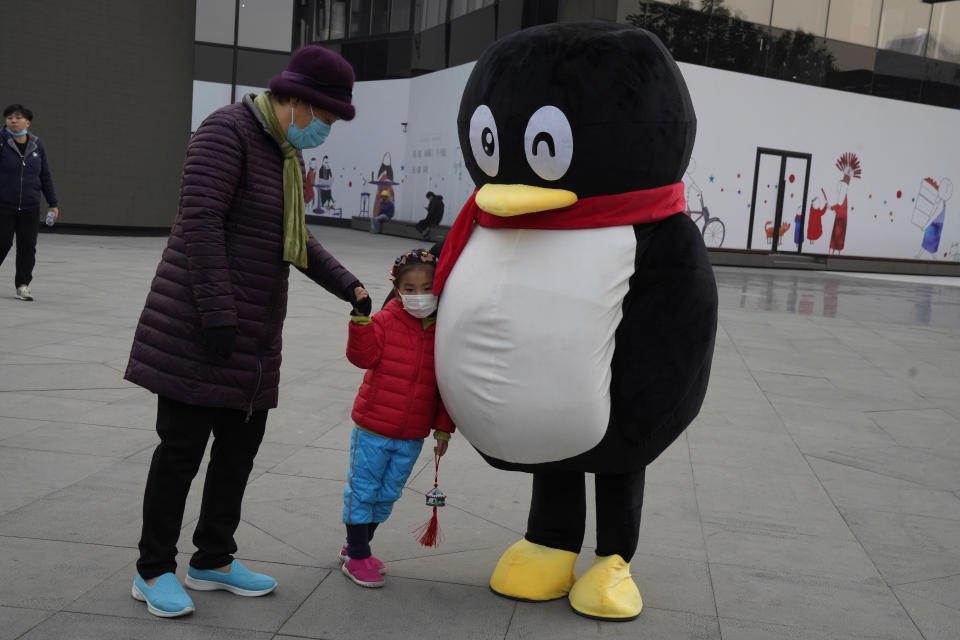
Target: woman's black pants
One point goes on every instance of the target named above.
(184, 431)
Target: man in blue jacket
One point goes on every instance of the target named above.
(24, 175)
(384, 213)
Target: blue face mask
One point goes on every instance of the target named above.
(24, 132)
(312, 136)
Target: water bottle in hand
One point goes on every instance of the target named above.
(51, 217)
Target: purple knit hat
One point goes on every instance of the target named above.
(319, 76)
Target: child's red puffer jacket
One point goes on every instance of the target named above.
(399, 397)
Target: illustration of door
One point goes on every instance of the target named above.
(779, 200)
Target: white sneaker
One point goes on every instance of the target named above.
(23, 292)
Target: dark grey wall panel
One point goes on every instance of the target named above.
(213, 64)
(471, 34)
(110, 83)
(255, 68)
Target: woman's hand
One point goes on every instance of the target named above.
(441, 448)
(363, 305)
(56, 213)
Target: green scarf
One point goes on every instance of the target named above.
(294, 222)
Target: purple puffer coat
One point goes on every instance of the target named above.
(223, 267)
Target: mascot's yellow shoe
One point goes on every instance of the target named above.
(606, 591)
(532, 572)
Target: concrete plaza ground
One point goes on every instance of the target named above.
(816, 496)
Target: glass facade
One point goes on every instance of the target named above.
(215, 21)
(809, 16)
(901, 49)
(856, 21)
(265, 24)
(945, 32)
(244, 43)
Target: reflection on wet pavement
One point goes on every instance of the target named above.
(899, 300)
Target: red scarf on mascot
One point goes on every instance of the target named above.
(621, 209)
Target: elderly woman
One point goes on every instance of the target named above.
(208, 341)
(24, 175)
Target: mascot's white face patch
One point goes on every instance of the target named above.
(525, 337)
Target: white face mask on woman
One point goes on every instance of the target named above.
(419, 305)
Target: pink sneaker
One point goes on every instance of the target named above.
(377, 564)
(363, 572)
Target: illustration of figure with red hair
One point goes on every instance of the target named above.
(849, 166)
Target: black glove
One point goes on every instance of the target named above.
(220, 341)
(363, 307)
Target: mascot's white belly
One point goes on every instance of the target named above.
(525, 338)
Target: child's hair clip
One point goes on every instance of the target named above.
(417, 255)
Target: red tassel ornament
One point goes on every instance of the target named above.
(428, 534)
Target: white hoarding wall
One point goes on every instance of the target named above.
(880, 184)
(895, 164)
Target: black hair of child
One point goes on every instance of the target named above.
(416, 259)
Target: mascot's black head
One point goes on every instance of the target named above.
(582, 109)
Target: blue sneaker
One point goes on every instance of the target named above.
(166, 598)
(240, 581)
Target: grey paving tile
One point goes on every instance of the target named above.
(670, 527)
(404, 608)
(15, 621)
(907, 548)
(306, 514)
(924, 428)
(315, 462)
(853, 488)
(26, 405)
(766, 452)
(51, 574)
(557, 621)
(790, 553)
(83, 626)
(213, 608)
(791, 600)
(944, 591)
(68, 437)
(140, 413)
(255, 544)
(10, 427)
(126, 393)
(26, 475)
(103, 508)
(85, 375)
(753, 500)
(933, 469)
(935, 621)
(817, 429)
(753, 630)
(900, 564)
(673, 584)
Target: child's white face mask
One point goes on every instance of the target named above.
(419, 305)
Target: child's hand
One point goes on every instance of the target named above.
(441, 448)
(363, 305)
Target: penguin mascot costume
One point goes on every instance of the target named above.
(578, 308)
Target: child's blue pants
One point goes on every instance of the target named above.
(379, 467)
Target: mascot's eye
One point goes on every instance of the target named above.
(548, 143)
(484, 142)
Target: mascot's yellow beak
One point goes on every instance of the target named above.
(516, 199)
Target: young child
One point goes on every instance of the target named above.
(397, 406)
